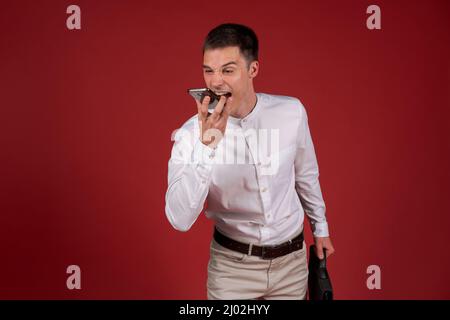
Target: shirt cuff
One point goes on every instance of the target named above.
(320, 229)
(203, 158)
(203, 153)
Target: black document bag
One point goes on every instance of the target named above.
(319, 282)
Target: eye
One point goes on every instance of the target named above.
(208, 71)
(228, 71)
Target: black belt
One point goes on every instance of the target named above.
(265, 252)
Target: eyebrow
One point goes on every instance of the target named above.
(225, 65)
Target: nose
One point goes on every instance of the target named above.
(217, 80)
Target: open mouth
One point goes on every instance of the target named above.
(223, 93)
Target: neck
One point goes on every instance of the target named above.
(246, 106)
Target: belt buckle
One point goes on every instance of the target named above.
(269, 257)
(264, 252)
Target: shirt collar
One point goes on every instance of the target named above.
(252, 113)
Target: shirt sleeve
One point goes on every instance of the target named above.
(307, 179)
(189, 175)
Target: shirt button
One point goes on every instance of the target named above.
(203, 181)
(245, 120)
(259, 163)
(263, 189)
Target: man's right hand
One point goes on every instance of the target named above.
(212, 126)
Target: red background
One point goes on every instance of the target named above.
(86, 120)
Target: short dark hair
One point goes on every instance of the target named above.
(233, 35)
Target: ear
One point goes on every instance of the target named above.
(253, 69)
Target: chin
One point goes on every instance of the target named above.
(230, 107)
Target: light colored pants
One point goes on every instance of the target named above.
(234, 275)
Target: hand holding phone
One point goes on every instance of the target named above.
(213, 124)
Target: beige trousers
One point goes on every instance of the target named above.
(234, 275)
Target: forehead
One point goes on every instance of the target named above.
(219, 56)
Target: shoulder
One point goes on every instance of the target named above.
(187, 131)
(289, 106)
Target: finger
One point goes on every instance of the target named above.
(205, 104)
(319, 250)
(226, 109)
(219, 107)
(204, 108)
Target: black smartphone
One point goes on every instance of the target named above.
(200, 93)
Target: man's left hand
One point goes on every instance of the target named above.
(323, 243)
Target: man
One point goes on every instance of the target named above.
(258, 199)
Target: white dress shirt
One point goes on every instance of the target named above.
(258, 181)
